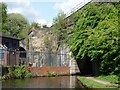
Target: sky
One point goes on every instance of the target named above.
(41, 11)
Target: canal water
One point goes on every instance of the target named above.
(43, 82)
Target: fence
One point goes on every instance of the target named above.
(39, 59)
(33, 58)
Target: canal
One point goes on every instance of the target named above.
(43, 82)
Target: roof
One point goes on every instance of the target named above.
(2, 46)
(6, 36)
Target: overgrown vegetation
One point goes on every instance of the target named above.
(59, 28)
(52, 74)
(3, 17)
(95, 35)
(17, 72)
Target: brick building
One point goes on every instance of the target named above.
(9, 47)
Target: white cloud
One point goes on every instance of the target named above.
(43, 22)
(68, 5)
(33, 0)
(23, 7)
(14, 10)
(28, 12)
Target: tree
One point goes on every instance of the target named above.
(59, 27)
(45, 26)
(15, 24)
(35, 25)
(3, 16)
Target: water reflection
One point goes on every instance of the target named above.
(43, 82)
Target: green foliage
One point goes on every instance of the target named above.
(59, 27)
(15, 24)
(21, 72)
(95, 35)
(52, 74)
(3, 16)
(24, 34)
(109, 78)
(11, 69)
(3, 9)
(45, 26)
(17, 72)
(35, 25)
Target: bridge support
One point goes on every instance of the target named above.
(74, 67)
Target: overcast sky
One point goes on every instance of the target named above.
(40, 11)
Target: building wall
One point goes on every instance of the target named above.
(38, 39)
(10, 43)
(10, 46)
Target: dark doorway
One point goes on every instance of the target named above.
(85, 66)
(22, 55)
(22, 52)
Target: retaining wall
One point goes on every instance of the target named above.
(44, 71)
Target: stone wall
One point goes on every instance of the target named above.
(44, 42)
(40, 40)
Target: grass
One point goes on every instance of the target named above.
(92, 84)
(52, 74)
(109, 78)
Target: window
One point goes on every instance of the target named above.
(14, 45)
(1, 54)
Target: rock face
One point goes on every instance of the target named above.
(41, 40)
(43, 49)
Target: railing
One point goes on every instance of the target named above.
(79, 6)
(83, 3)
(33, 58)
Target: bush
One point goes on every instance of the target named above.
(21, 72)
(17, 72)
(52, 74)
